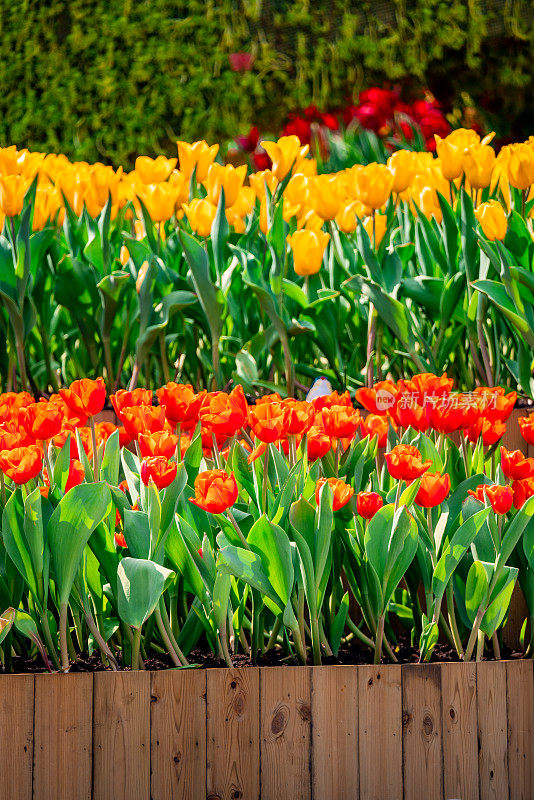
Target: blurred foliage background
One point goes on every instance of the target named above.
(107, 81)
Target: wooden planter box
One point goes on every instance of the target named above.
(419, 732)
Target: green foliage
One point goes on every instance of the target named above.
(108, 81)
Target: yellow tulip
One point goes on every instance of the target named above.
(349, 214)
(402, 166)
(298, 190)
(373, 185)
(228, 177)
(141, 275)
(324, 196)
(199, 155)
(200, 214)
(12, 191)
(154, 170)
(286, 154)
(428, 203)
(479, 163)
(381, 224)
(308, 249)
(520, 166)
(160, 200)
(310, 222)
(451, 149)
(258, 180)
(492, 219)
(124, 255)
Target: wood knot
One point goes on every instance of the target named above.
(304, 710)
(154, 698)
(239, 703)
(378, 676)
(428, 725)
(213, 797)
(233, 685)
(452, 713)
(406, 718)
(279, 721)
(370, 682)
(236, 794)
(177, 758)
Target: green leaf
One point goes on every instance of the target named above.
(139, 587)
(79, 512)
(455, 550)
(338, 624)
(109, 470)
(271, 543)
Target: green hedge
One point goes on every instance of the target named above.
(108, 80)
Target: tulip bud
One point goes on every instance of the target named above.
(492, 219)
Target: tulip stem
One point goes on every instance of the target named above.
(449, 593)
(265, 478)
(95, 449)
(237, 529)
(216, 451)
(47, 463)
(136, 648)
(65, 664)
(379, 637)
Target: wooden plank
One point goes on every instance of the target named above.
(63, 737)
(460, 746)
(121, 736)
(16, 736)
(520, 699)
(334, 704)
(421, 731)
(286, 733)
(178, 735)
(492, 730)
(380, 732)
(233, 733)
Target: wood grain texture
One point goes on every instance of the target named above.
(492, 731)
(233, 734)
(285, 733)
(334, 707)
(16, 736)
(63, 737)
(178, 735)
(520, 700)
(460, 726)
(421, 731)
(380, 732)
(121, 736)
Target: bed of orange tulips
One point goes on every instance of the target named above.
(295, 526)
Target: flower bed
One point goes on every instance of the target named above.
(206, 275)
(449, 730)
(286, 530)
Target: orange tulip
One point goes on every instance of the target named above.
(158, 443)
(181, 403)
(85, 396)
(342, 492)
(21, 464)
(404, 463)
(215, 491)
(158, 469)
(433, 489)
(224, 414)
(368, 503)
(268, 421)
(42, 421)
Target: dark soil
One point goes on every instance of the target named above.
(350, 654)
